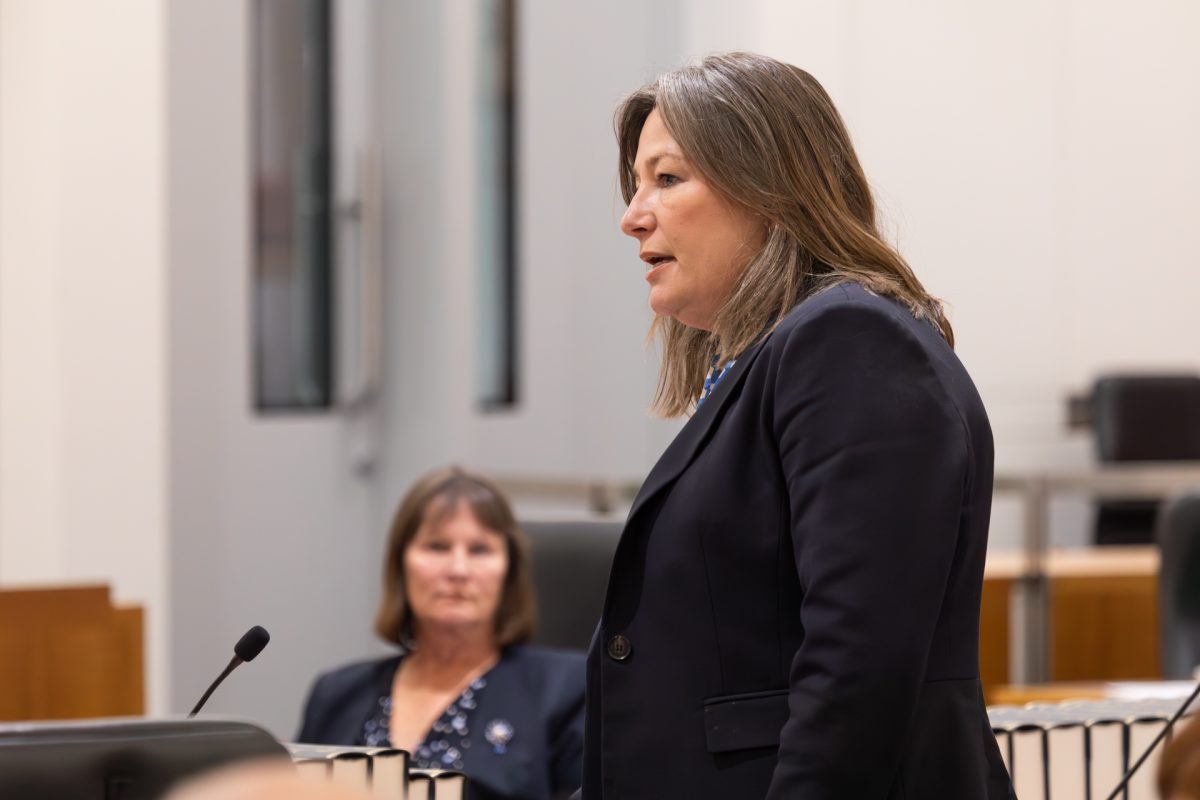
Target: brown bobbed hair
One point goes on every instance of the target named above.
(434, 498)
(1179, 769)
(766, 138)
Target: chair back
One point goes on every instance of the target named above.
(570, 565)
(1142, 418)
(1179, 585)
(1147, 417)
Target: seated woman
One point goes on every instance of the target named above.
(464, 692)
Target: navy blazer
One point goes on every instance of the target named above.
(793, 609)
(538, 690)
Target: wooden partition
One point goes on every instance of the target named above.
(1103, 620)
(994, 632)
(1105, 628)
(67, 653)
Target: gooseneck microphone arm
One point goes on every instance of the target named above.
(233, 664)
(1161, 735)
(249, 646)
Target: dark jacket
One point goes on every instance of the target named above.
(793, 610)
(539, 691)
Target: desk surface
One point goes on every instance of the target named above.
(1143, 479)
(1146, 479)
(1090, 690)
(1080, 562)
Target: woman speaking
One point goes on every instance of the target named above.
(793, 610)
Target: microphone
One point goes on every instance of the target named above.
(250, 645)
(1161, 735)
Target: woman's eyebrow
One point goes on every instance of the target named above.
(654, 159)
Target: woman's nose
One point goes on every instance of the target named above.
(459, 564)
(637, 221)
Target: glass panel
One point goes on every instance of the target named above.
(292, 204)
(497, 211)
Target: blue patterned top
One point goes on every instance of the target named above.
(713, 377)
(449, 736)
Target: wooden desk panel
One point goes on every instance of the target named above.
(69, 654)
(1104, 628)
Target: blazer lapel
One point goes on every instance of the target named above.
(354, 703)
(691, 438)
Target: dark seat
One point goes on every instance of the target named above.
(570, 561)
(1179, 585)
(1142, 418)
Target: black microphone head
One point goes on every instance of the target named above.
(252, 643)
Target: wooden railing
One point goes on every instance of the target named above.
(1071, 622)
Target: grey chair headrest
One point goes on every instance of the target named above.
(570, 562)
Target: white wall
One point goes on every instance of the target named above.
(82, 303)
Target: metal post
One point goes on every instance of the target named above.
(1036, 595)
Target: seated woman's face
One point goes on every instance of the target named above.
(454, 570)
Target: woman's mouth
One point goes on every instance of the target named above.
(656, 265)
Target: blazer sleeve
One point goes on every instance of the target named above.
(874, 454)
(316, 708)
(338, 703)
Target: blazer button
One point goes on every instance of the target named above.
(619, 648)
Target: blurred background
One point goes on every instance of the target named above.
(262, 262)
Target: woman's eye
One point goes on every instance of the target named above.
(666, 179)
(436, 546)
(481, 550)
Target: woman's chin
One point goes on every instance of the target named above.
(666, 306)
(660, 303)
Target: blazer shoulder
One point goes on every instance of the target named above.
(850, 301)
(546, 666)
(849, 320)
(334, 686)
(849, 332)
(336, 693)
(556, 676)
(358, 673)
(548, 658)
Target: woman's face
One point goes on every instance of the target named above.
(454, 571)
(693, 242)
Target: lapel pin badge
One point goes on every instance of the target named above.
(498, 733)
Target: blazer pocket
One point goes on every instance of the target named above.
(745, 721)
